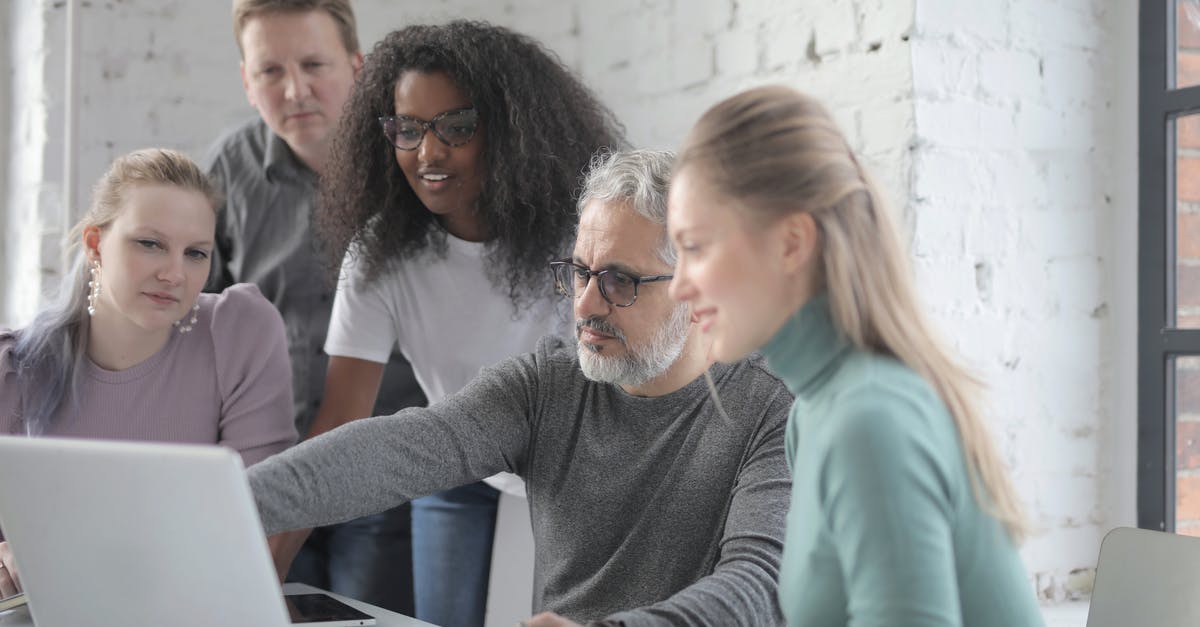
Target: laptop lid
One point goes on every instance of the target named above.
(118, 533)
(1146, 578)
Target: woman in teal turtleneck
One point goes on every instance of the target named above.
(902, 512)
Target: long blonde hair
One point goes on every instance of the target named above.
(47, 354)
(777, 151)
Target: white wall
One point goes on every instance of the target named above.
(32, 185)
(1023, 189)
(7, 73)
(1003, 130)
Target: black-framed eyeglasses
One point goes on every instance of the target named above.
(618, 288)
(454, 128)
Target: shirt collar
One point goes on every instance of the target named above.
(807, 347)
(280, 162)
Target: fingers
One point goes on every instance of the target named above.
(548, 619)
(10, 583)
(8, 587)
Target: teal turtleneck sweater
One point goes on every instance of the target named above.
(884, 528)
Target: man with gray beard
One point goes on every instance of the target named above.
(651, 504)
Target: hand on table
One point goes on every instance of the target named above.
(284, 547)
(10, 582)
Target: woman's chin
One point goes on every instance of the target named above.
(728, 352)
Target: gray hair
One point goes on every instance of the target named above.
(48, 354)
(639, 178)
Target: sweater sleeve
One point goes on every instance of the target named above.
(888, 507)
(373, 464)
(742, 588)
(253, 375)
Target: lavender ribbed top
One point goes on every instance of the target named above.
(227, 382)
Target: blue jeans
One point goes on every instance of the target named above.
(452, 554)
(369, 559)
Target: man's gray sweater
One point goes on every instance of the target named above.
(652, 511)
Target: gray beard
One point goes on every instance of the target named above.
(639, 365)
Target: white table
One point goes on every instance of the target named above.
(20, 617)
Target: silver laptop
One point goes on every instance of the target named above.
(1146, 578)
(115, 533)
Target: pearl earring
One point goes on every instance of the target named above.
(93, 288)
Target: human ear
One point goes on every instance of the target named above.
(91, 242)
(799, 234)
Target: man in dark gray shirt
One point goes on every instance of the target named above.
(299, 62)
(651, 505)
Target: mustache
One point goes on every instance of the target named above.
(600, 325)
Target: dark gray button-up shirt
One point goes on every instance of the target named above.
(265, 237)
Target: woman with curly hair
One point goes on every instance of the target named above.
(448, 191)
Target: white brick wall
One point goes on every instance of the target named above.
(1003, 131)
(5, 89)
(1022, 170)
(31, 193)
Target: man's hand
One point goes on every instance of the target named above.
(10, 583)
(284, 547)
(549, 619)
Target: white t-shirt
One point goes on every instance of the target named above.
(448, 319)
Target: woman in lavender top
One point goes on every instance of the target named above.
(131, 349)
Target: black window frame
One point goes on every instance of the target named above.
(1159, 341)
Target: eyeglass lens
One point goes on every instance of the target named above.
(617, 288)
(454, 128)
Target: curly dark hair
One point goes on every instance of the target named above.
(542, 124)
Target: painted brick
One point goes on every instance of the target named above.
(1002, 168)
(930, 183)
(786, 42)
(835, 27)
(966, 124)
(1011, 74)
(1050, 128)
(1036, 124)
(978, 21)
(1055, 233)
(737, 53)
(992, 231)
(1077, 184)
(1066, 24)
(940, 70)
(881, 124)
(884, 22)
(1069, 77)
(1078, 285)
(945, 283)
(703, 17)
